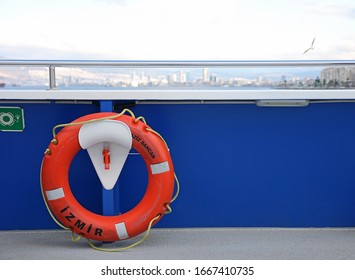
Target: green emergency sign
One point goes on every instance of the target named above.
(11, 119)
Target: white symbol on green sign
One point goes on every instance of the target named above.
(11, 119)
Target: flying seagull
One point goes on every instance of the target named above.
(311, 47)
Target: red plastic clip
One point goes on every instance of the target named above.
(106, 155)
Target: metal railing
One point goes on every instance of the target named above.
(52, 65)
(175, 63)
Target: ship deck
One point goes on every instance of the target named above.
(190, 244)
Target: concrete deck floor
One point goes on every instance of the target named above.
(190, 244)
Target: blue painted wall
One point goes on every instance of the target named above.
(21, 203)
(238, 165)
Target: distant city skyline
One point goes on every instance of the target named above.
(340, 77)
(171, 29)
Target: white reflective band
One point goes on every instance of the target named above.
(55, 194)
(160, 167)
(121, 231)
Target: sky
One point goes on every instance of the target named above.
(177, 29)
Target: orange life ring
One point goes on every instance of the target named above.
(64, 206)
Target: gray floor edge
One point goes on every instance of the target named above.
(189, 243)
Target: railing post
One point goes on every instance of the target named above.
(52, 81)
(110, 198)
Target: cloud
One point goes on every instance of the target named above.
(123, 3)
(344, 49)
(170, 29)
(336, 10)
(37, 52)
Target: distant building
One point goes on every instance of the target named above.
(205, 75)
(341, 75)
(213, 78)
(171, 78)
(182, 77)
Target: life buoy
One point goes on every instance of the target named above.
(64, 206)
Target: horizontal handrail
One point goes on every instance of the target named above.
(173, 95)
(175, 63)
